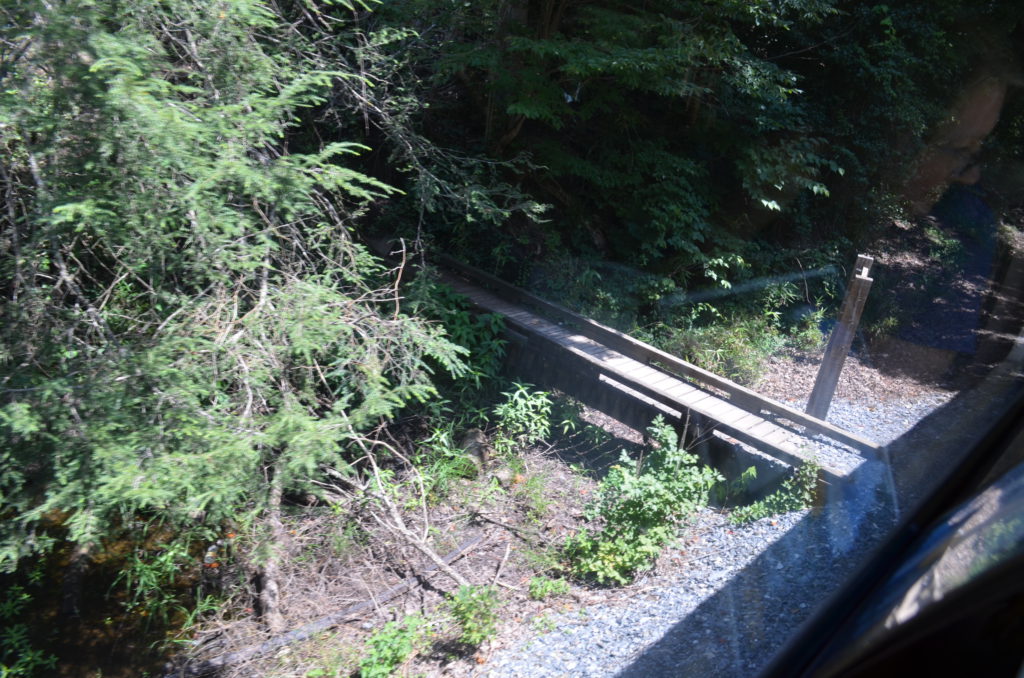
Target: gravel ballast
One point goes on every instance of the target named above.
(742, 590)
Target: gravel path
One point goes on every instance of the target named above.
(743, 589)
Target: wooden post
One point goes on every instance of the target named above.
(842, 338)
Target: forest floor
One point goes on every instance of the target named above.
(520, 523)
(509, 524)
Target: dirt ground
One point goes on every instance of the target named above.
(508, 524)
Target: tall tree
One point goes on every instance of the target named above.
(673, 133)
(188, 329)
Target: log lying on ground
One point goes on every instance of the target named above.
(311, 629)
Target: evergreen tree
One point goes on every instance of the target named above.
(188, 328)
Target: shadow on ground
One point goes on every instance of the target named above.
(737, 630)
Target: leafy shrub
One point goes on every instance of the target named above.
(206, 321)
(806, 334)
(17, 656)
(475, 609)
(729, 491)
(543, 587)
(532, 492)
(441, 461)
(736, 348)
(482, 334)
(795, 494)
(150, 576)
(524, 417)
(640, 504)
(736, 338)
(389, 647)
(944, 247)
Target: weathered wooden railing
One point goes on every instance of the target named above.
(637, 350)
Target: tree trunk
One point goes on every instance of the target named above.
(269, 573)
(71, 586)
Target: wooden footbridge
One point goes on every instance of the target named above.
(638, 370)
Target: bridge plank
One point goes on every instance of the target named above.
(760, 428)
(648, 354)
(726, 413)
(651, 382)
(657, 380)
(747, 422)
(692, 397)
(682, 390)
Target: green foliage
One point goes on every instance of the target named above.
(542, 588)
(150, 578)
(543, 624)
(184, 311)
(806, 335)
(735, 337)
(441, 462)
(455, 189)
(678, 94)
(391, 646)
(640, 504)
(614, 294)
(736, 349)
(795, 494)
(475, 609)
(481, 334)
(543, 557)
(193, 616)
(945, 248)
(18, 658)
(524, 418)
(533, 492)
(669, 134)
(727, 491)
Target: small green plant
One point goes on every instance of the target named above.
(149, 577)
(543, 557)
(776, 298)
(17, 656)
(389, 647)
(524, 417)
(566, 411)
(944, 248)
(795, 494)
(542, 588)
(568, 421)
(639, 505)
(475, 609)
(481, 334)
(192, 616)
(533, 494)
(806, 334)
(728, 491)
(884, 326)
(735, 347)
(543, 624)
(347, 536)
(441, 462)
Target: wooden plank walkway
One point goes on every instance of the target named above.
(670, 390)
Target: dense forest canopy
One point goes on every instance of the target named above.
(191, 325)
(674, 131)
